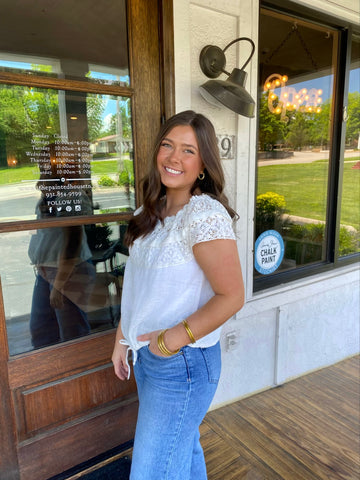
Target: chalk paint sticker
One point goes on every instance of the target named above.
(269, 252)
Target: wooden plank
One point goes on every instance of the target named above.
(309, 445)
(22, 225)
(167, 58)
(9, 469)
(31, 80)
(33, 368)
(258, 440)
(298, 431)
(331, 405)
(71, 397)
(51, 454)
(223, 460)
(143, 21)
(319, 411)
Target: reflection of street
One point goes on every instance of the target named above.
(305, 157)
(17, 278)
(17, 202)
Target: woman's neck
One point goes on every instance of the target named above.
(174, 202)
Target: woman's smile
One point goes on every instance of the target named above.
(172, 171)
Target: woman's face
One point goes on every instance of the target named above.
(178, 159)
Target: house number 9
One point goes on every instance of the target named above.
(226, 144)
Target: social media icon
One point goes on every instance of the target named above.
(58, 209)
(77, 208)
(68, 208)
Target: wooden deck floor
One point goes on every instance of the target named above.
(308, 429)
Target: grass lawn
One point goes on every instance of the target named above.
(18, 174)
(104, 167)
(31, 172)
(304, 187)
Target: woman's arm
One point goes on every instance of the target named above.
(220, 263)
(119, 356)
(68, 258)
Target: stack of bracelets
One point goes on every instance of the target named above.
(161, 344)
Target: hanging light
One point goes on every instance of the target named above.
(231, 92)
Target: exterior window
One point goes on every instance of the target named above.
(298, 65)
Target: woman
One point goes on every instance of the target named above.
(182, 282)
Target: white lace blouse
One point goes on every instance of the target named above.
(163, 283)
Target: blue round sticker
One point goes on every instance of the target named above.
(269, 252)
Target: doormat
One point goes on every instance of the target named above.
(110, 465)
(116, 470)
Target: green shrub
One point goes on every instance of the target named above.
(304, 243)
(106, 181)
(270, 207)
(126, 176)
(312, 232)
(349, 242)
(124, 179)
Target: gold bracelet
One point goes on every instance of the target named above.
(162, 347)
(189, 332)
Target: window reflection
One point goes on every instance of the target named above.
(91, 140)
(84, 40)
(349, 235)
(296, 64)
(63, 283)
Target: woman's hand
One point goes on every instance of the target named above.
(56, 299)
(118, 359)
(152, 338)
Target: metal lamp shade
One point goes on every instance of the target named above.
(231, 93)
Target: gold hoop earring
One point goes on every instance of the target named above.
(201, 176)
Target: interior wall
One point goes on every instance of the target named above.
(292, 329)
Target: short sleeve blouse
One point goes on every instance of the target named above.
(163, 283)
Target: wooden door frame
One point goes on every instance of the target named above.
(24, 376)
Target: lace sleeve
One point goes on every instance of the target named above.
(212, 227)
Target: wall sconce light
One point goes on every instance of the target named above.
(230, 92)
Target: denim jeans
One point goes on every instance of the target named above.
(50, 325)
(174, 396)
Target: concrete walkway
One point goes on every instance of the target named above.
(308, 157)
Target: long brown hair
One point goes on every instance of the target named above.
(153, 190)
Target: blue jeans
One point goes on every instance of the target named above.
(50, 325)
(174, 396)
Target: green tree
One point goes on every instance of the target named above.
(95, 106)
(42, 108)
(15, 123)
(353, 123)
(272, 130)
(319, 128)
(298, 135)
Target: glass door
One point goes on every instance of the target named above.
(80, 105)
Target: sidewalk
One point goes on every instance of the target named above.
(308, 157)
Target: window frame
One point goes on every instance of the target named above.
(337, 147)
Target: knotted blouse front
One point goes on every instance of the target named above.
(163, 284)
